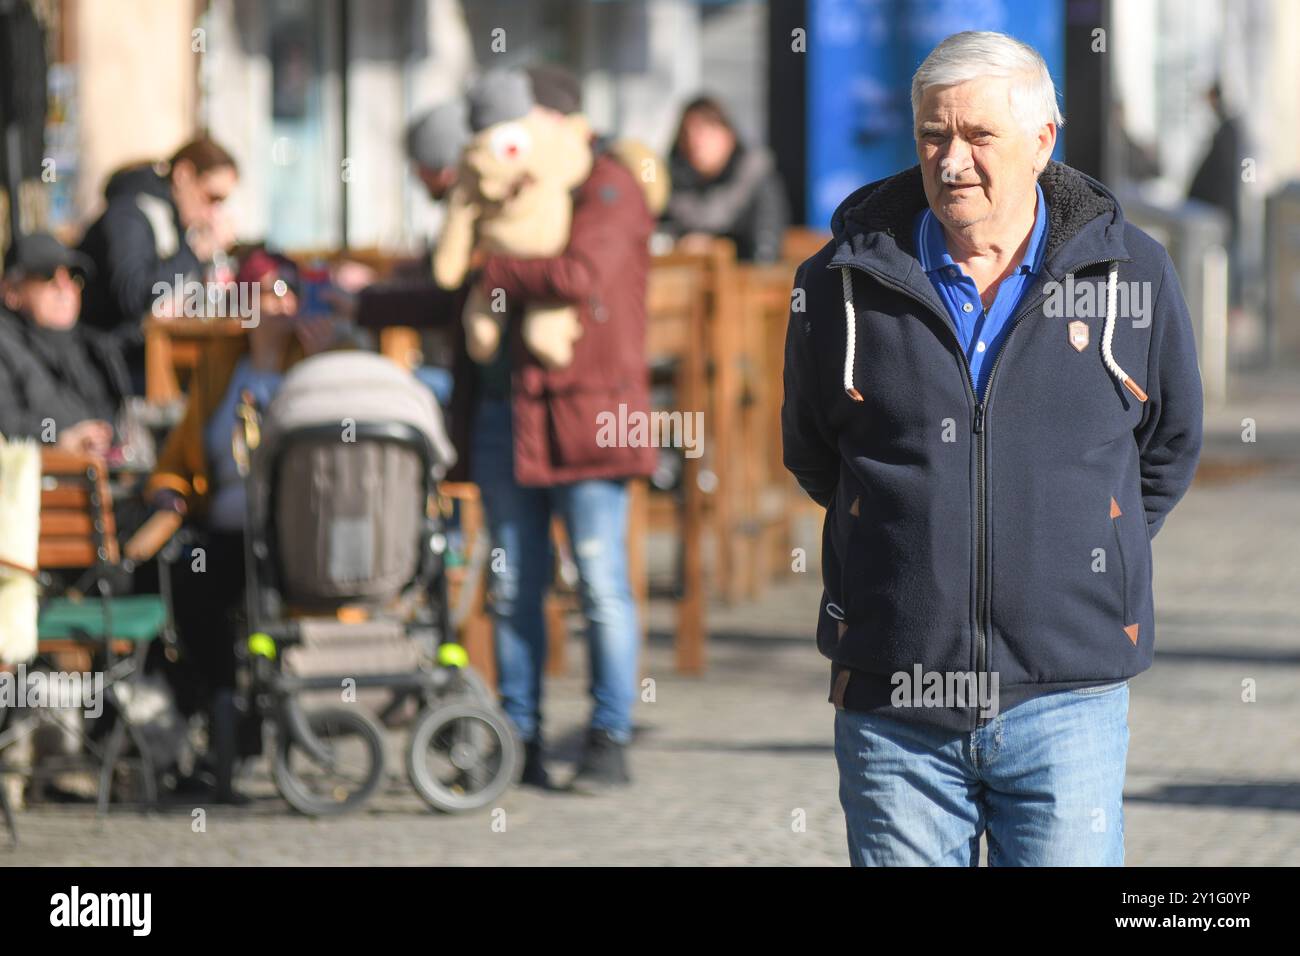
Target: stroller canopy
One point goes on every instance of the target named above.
(335, 387)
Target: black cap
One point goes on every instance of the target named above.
(555, 88)
(40, 255)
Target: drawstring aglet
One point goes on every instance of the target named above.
(1133, 387)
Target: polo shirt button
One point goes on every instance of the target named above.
(979, 347)
(966, 307)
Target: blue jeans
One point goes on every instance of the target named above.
(1044, 778)
(520, 569)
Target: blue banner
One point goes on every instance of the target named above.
(862, 57)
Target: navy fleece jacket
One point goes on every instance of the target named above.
(1010, 537)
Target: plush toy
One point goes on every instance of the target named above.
(512, 197)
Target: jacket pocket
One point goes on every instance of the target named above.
(853, 565)
(830, 619)
(1123, 570)
(1133, 545)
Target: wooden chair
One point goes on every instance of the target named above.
(88, 623)
(676, 333)
(718, 394)
(763, 485)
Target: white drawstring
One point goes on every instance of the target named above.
(1108, 332)
(851, 334)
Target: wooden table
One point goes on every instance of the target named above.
(173, 347)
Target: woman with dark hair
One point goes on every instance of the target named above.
(723, 187)
(162, 221)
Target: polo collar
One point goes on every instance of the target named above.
(932, 245)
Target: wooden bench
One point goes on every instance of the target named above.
(87, 625)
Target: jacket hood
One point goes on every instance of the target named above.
(872, 230)
(137, 179)
(1076, 203)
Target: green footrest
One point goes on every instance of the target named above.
(136, 618)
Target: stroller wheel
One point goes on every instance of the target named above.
(461, 756)
(342, 775)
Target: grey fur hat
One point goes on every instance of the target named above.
(436, 138)
(498, 97)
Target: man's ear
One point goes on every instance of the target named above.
(1045, 142)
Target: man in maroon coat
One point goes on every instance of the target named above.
(532, 438)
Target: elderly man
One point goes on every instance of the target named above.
(60, 382)
(991, 385)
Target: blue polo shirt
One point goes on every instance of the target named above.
(981, 332)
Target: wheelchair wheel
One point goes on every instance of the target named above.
(344, 777)
(461, 756)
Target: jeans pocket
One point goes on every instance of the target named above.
(1099, 689)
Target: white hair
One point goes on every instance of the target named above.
(978, 53)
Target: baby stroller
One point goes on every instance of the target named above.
(343, 551)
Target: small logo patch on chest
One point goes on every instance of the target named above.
(1078, 335)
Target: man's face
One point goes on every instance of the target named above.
(52, 302)
(978, 162)
(199, 198)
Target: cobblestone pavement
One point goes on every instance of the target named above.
(727, 765)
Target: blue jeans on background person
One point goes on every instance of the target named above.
(519, 520)
(1045, 779)
(437, 380)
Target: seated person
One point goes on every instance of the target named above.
(723, 187)
(197, 477)
(60, 382)
(159, 223)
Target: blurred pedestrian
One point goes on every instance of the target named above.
(1217, 181)
(160, 223)
(410, 297)
(722, 186)
(434, 142)
(531, 437)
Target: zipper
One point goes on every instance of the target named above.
(983, 602)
